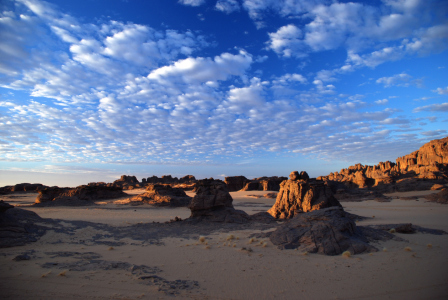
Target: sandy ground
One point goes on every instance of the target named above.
(76, 264)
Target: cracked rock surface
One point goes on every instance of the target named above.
(326, 231)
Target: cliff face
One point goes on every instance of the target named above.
(429, 162)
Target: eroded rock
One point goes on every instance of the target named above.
(296, 196)
(81, 195)
(163, 195)
(213, 202)
(326, 231)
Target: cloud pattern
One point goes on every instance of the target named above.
(128, 93)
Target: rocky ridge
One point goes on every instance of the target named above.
(416, 171)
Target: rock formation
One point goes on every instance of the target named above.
(326, 231)
(297, 195)
(264, 184)
(81, 195)
(440, 197)
(22, 187)
(235, 183)
(163, 195)
(126, 182)
(213, 202)
(410, 172)
(17, 226)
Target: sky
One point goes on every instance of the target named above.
(94, 89)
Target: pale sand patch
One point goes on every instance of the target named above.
(227, 272)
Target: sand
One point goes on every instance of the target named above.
(218, 268)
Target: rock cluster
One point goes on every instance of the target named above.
(163, 195)
(22, 187)
(297, 195)
(213, 202)
(410, 172)
(81, 195)
(168, 179)
(326, 231)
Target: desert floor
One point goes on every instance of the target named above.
(100, 252)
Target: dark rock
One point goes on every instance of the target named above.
(81, 195)
(163, 195)
(17, 227)
(21, 257)
(4, 206)
(440, 197)
(213, 202)
(326, 231)
(235, 183)
(297, 196)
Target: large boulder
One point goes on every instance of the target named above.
(81, 195)
(163, 195)
(235, 183)
(326, 231)
(213, 202)
(19, 226)
(296, 196)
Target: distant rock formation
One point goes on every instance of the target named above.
(264, 184)
(213, 202)
(410, 172)
(126, 182)
(297, 195)
(81, 195)
(235, 183)
(326, 231)
(168, 179)
(22, 187)
(163, 195)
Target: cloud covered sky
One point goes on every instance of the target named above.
(91, 90)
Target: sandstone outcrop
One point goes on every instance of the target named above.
(163, 195)
(297, 196)
(326, 231)
(22, 187)
(81, 195)
(213, 202)
(264, 184)
(235, 183)
(410, 172)
(126, 182)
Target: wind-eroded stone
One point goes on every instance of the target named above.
(296, 196)
(327, 231)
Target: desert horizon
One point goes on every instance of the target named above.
(223, 149)
(365, 232)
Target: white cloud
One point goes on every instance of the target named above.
(382, 102)
(228, 6)
(192, 2)
(287, 41)
(441, 91)
(202, 69)
(433, 107)
(398, 80)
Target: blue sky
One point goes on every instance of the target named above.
(92, 89)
